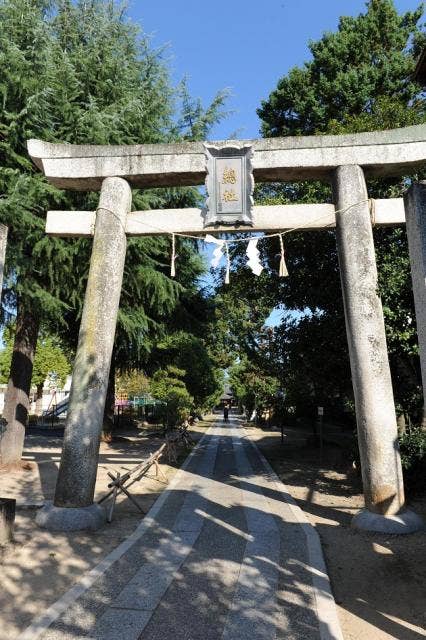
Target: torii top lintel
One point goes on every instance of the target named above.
(83, 167)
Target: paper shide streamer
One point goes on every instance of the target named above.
(253, 254)
(218, 252)
(221, 250)
(228, 264)
(252, 251)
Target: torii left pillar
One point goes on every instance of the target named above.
(73, 506)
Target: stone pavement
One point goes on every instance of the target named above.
(224, 553)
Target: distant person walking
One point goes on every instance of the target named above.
(226, 413)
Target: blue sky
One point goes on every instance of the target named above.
(243, 45)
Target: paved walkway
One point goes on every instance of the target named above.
(224, 554)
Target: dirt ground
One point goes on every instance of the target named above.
(378, 581)
(42, 565)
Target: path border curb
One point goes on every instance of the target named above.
(329, 625)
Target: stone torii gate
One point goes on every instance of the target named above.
(341, 160)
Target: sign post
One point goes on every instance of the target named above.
(320, 422)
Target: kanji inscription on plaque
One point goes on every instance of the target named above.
(229, 185)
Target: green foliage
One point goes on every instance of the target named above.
(253, 389)
(151, 302)
(188, 353)
(25, 58)
(82, 72)
(369, 58)
(359, 79)
(413, 447)
(6, 356)
(50, 361)
(238, 317)
(133, 382)
(195, 121)
(168, 385)
(311, 360)
(238, 340)
(413, 457)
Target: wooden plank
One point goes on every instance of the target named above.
(113, 501)
(70, 224)
(124, 482)
(7, 519)
(191, 221)
(387, 212)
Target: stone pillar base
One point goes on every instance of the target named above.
(404, 522)
(69, 518)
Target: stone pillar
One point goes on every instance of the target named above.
(415, 214)
(374, 403)
(73, 506)
(3, 242)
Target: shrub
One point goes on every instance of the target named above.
(413, 457)
(167, 385)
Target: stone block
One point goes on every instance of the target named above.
(70, 519)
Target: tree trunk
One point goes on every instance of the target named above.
(108, 421)
(3, 241)
(16, 402)
(39, 400)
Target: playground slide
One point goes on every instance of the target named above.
(57, 410)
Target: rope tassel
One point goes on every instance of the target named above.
(283, 272)
(228, 264)
(172, 264)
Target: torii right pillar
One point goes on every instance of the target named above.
(415, 216)
(381, 469)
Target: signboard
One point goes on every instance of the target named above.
(229, 185)
(320, 411)
(120, 402)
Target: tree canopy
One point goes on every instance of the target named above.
(50, 361)
(82, 72)
(359, 78)
(354, 71)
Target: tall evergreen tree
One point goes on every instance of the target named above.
(77, 72)
(359, 79)
(24, 57)
(370, 58)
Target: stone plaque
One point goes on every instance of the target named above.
(229, 185)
